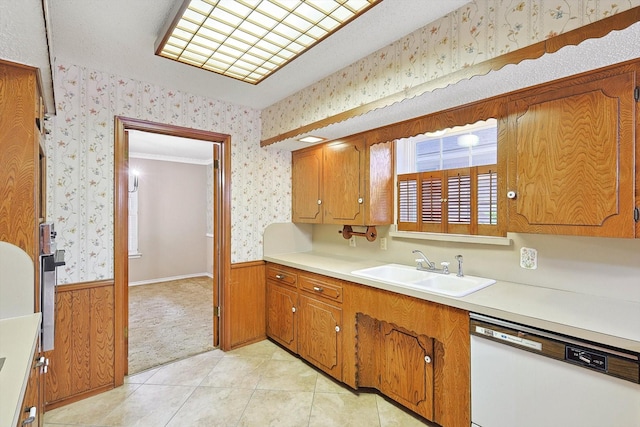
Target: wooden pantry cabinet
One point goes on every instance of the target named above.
(414, 351)
(571, 155)
(21, 177)
(348, 182)
(22, 186)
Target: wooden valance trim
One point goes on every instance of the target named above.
(596, 29)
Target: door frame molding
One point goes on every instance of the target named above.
(222, 223)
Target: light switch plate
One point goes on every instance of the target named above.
(528, 258)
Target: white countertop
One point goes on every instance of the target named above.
(601, 320)
(18, 338)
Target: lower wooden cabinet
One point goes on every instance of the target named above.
(281, 315)
(319, 337)
(32, 404)
(396, 361)
(304, 315)
(416, 352)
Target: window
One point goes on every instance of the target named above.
(133, 215)
(448, 181)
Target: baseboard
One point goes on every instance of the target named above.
(168, 279)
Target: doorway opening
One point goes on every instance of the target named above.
(171, 238)
(220, 222)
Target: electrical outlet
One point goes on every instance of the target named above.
(528, 258)
(383, 243)
(352, 241)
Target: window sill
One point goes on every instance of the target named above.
(135, 255)
(444, 237)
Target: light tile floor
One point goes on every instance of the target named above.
(257, 385)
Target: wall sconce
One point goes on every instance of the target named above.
(135, 175)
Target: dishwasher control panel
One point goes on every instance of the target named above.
(587, 358)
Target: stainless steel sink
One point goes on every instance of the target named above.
(409, 277)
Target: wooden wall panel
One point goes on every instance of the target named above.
(102, 336)
(81, 335)
(58, 379)
(246, 302)
(82, 361)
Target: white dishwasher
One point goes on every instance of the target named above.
(526, 377)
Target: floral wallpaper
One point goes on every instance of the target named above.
(478, 31)
(80, 148)
(80, 154)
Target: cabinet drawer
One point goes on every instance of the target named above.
(322, 287)
(282, 275)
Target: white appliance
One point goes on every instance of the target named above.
(16, 281)
(50, 259)
(526, 377)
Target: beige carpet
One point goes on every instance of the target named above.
(169, 321)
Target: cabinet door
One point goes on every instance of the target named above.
(32, 396)
(407, 368)
(281, 315)
(571, 158)
(343, 182)
(306, 188)
(320, 340)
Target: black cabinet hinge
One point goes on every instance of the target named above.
(636, 93)
(216, 164)
(636, 214)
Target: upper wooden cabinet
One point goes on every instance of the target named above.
(571, 156)
(306, 175)
(344, 182)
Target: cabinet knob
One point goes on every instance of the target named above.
(279, 276)
(318, 289)
(33, 411)
(337, 328)
(319, 201)
(511, 194)
(293, 309)
(360, 200)
(41, 361)
(427, 359)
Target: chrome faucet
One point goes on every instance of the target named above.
(430, 265)
(459, 259)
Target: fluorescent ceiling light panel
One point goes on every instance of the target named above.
(311, 139)
(251, 39)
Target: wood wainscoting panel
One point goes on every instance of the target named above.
(80, 341)
(82, 361)
(246, 302)
(102, 332)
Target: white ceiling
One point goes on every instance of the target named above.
(155, 146)
(118, 36)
